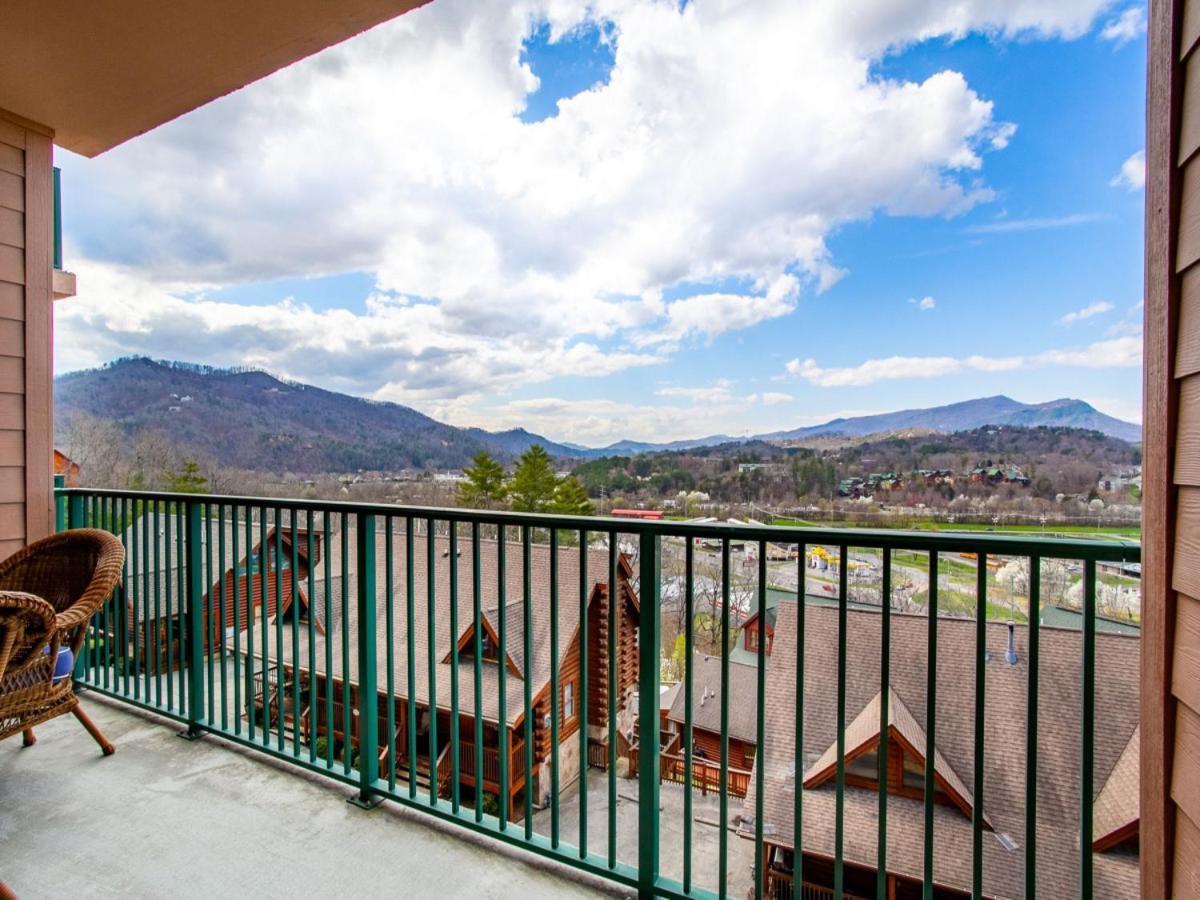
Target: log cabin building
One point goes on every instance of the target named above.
(327, 687)
(706, 726)
(1116, 826)
(153, 632)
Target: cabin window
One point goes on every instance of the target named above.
(569, 700)
(752, 639)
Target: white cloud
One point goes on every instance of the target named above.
(1005, 226)
(705, 169)
(1092, 309)
(1116, 353)
(924, 303)
(1129, 25)
(1132, 175)
(394, 349)
(774, 398)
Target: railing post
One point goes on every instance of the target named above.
(60, 514)
(368, 703)
(195, 621)
(75, 511)
(650, 588)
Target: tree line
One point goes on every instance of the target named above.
(533, 486)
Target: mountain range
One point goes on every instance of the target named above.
(249, 419)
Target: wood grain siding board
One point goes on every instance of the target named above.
(12, 448)
(12, 338)
(12, 413)
(12, 191)
(11, 133)
(1187, 858)
(12, 159)
(1185, 787)
(8, 548)
(12, 521)
(1187, 355)
(12, 228)
(12, 374)
(1187, 445)
(12, 301)
(1186, 575)
(1185, 667)
(1189, 124)
(39, 338)
(12, 264)
(1164, 207)
(12, 484)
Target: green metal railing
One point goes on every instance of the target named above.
(198, 629)
(58, 255)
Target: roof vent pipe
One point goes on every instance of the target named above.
(1010, 655)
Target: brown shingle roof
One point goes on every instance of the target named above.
(343, 609)
(1059, 710)
(706, 698)
(1117, 807)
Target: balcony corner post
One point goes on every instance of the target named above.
(368, 704)
(195, 620)
(649, 638)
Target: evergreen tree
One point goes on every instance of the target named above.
(187, 480)
(571, 499)
(532, 487)
(484, 487)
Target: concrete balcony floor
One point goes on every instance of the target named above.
(165, 817)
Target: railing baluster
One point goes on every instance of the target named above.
(195, 620)
(251, 715)
(505, 745)
(980, 686)
(348, 733)
(295, 622)
(885, 696)
(313, 712)
(760, 728)
(527, 674)
(390, 575)
(798, 749)
(219, 631)
(138, 523)
(174, 610)
(477, 665)
(689, 615)
(182, 566)
(723, 844)
(554, 692)
(266, 623)
(930, 723)
(1087, 730)
(584, 713)
(280, 681)
(843, 637)
(612, 691)
(454, 723)
(1031, 728)
(368, 696)
(431, 654)
(411, 659)
(238, 594)
(208, 618)
(649, 630)
(158, 625)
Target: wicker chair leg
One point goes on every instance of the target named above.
(6, 893)
(28, 739)
(85, 720)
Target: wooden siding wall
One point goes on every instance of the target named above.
(26, 221)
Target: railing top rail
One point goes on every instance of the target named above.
(1117, 550)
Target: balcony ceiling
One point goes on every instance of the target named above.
(98, 74)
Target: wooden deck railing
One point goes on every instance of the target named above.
(491, 764)
(706, 775)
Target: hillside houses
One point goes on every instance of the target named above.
(812, 768)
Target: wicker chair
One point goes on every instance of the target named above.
(48, 592)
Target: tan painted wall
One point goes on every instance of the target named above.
(26, 335)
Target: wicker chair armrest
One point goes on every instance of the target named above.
(31, 653)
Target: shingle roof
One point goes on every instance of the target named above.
(343, 609)
(706, 698)
(147, 572)
(1059, 710)
(1117, 807)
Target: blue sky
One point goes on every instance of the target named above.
(641, 221)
